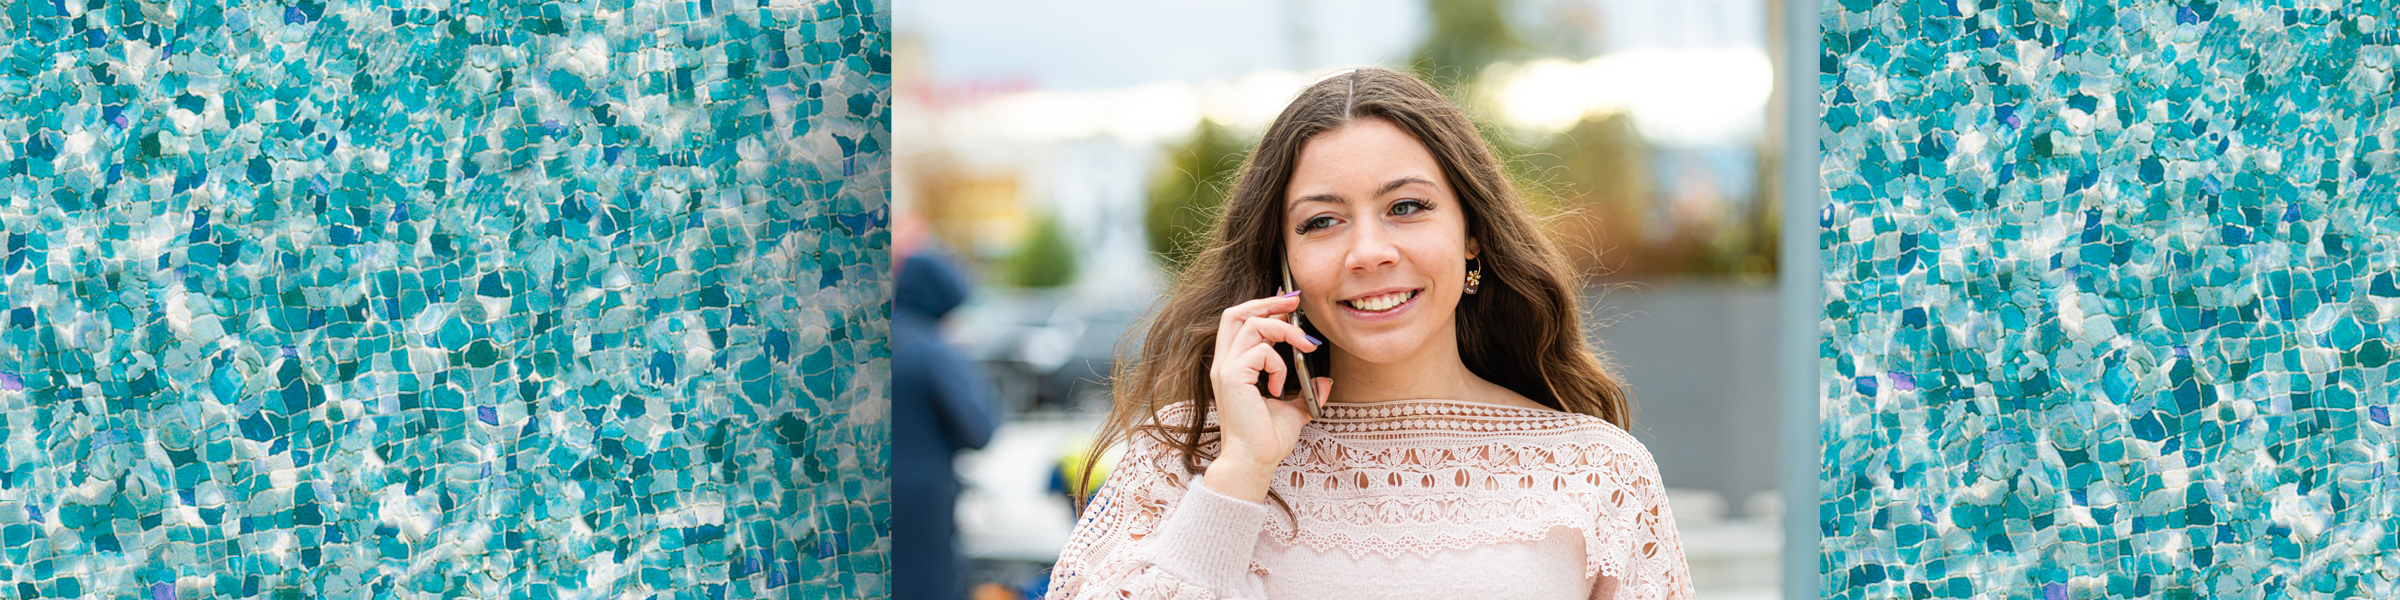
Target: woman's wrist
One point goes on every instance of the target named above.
(1239, 479)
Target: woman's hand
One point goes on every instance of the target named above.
(1256, 432)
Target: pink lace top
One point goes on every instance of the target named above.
(1418, 498)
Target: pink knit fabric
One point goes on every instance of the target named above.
(1417, 498)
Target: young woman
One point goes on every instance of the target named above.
(1472, 447)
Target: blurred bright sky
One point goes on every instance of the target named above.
(1111, 44)
(1108, 44)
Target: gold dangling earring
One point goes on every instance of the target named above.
(1474, 275)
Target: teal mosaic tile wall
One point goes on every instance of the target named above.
(2110, 300)
(418, 299)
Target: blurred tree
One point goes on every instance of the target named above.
(1595, 178)
(1466, 37)
(1045, 258)
(1570, 29)
(1186, 199)
(1612, 222)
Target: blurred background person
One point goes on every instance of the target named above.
(940, 406)
(1070, 153)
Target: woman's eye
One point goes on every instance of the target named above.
(1315, 224)
(1407, 207)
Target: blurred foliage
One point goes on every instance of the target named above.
(1570, 29)
(1594, 179)
(1185, 200)
(1609, 216)
(1044, 258)
(1466, 37)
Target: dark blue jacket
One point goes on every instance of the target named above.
(940, 405)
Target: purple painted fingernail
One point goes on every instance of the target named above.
(1313, 339)
(1288, 294)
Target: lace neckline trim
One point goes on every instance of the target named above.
(1443, 415)
(1358, 409)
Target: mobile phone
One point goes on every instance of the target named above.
(1297, 359)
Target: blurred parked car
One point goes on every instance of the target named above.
(1045, 352)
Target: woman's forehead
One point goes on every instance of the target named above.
(1368, 157)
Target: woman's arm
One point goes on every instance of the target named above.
(1151, 533)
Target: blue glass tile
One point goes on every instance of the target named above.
(502, 300)
(2110, 296)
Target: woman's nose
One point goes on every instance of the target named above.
(1371, 248)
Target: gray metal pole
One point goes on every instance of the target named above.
(1799, 279)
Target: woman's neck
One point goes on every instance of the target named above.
(1433, 372)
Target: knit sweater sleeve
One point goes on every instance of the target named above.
(1155, 532)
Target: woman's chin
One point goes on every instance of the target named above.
(1387, 348)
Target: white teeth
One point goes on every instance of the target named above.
(1381, 303)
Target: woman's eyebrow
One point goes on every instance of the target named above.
(1386, 189)
(1327, 198)
(1403, 182)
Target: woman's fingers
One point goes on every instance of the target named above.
(1292, 400)
(1260, 358)
(1233, 319)
(1273, 330)
(1259, 335)
(1324, 392)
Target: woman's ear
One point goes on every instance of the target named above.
(1473, 249)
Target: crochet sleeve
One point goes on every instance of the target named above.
(1648, 560)
(1154, 532)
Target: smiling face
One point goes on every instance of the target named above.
(1377, 243)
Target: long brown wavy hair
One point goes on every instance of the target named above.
(1522, 331)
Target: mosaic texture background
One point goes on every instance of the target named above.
(2110, 300)
(419, 299)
